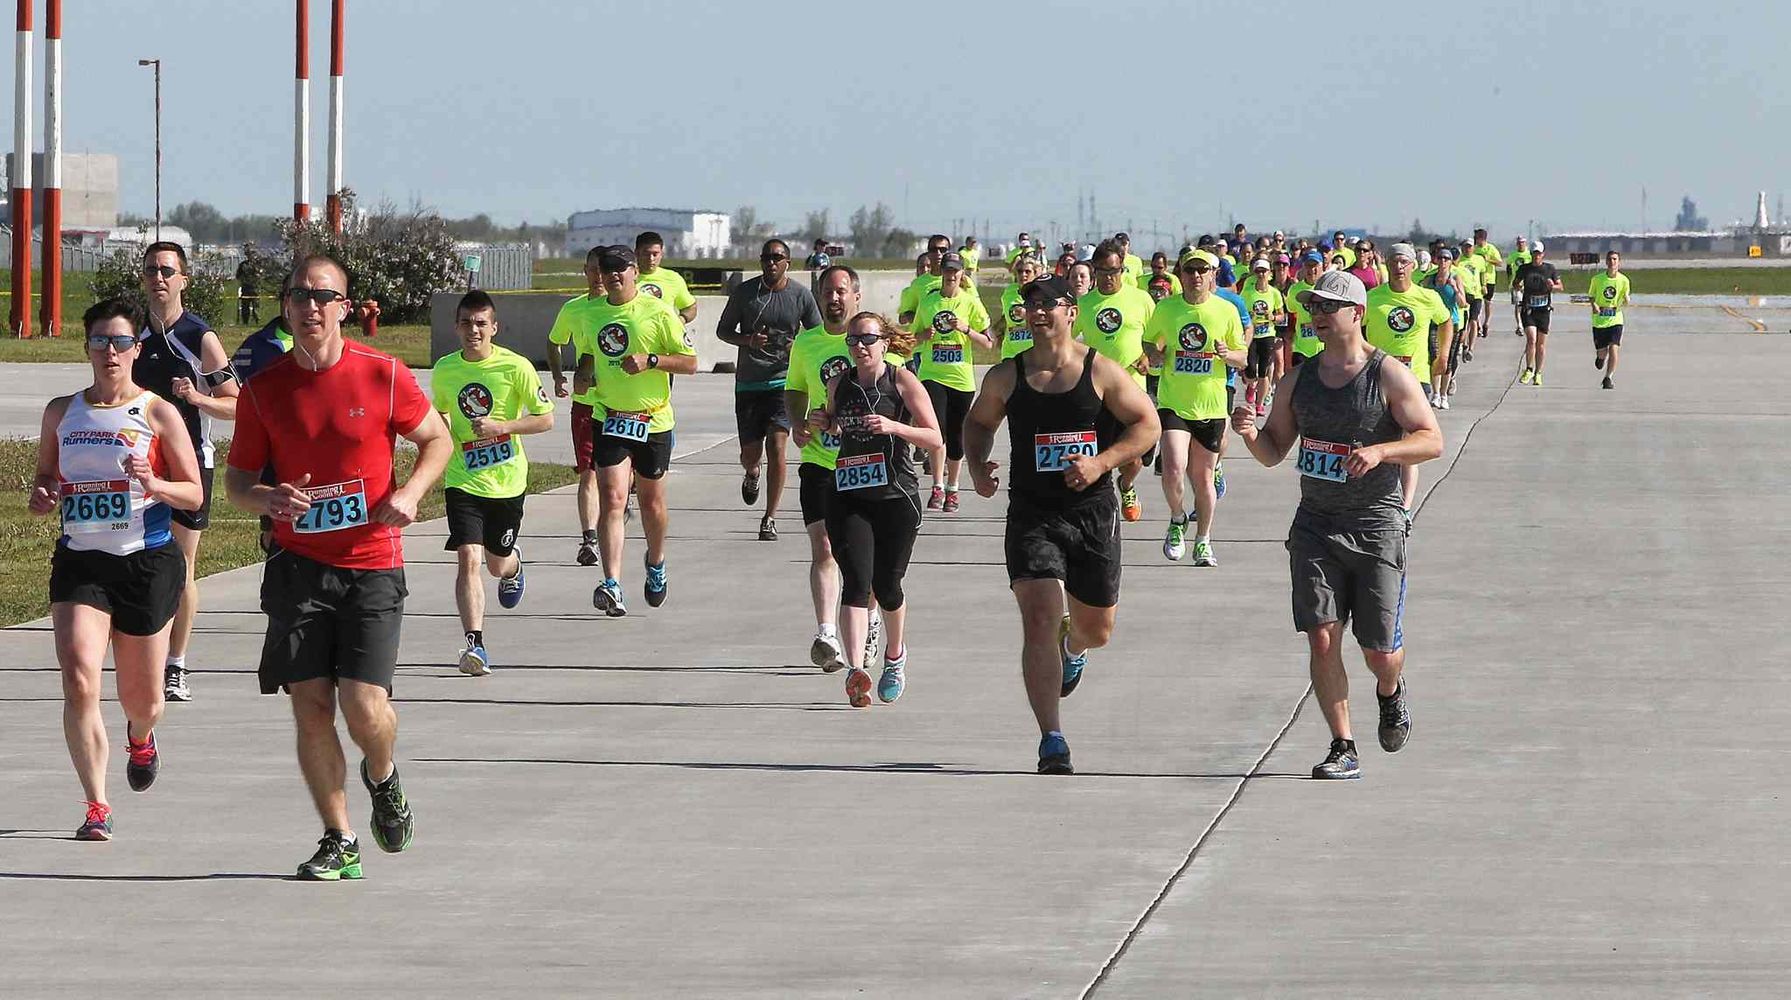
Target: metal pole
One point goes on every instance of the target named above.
(301, 138)
(158, 147)
(50, 312)
(21, 176)
(333, 193)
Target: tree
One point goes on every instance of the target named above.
(400, 258)
(1689, 220)
(1417, 236)
(205, 223)
(814, 226)
(898, 243)
(870, 228)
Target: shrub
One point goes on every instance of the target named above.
(211, 283)
(398, 258)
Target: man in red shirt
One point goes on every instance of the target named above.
(324, 417)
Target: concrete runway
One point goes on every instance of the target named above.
(674, 804)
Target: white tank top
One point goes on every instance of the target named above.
(103, 509)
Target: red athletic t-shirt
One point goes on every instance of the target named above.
(339, 426)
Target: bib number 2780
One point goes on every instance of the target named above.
(1053, 452)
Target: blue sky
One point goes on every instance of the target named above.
(1454, 114)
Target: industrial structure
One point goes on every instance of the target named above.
(689, 233)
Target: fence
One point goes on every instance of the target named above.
(74, 258)
(502, 266)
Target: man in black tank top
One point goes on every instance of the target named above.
(1073, 417)
(1357, 421)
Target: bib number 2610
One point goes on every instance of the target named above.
(1053, 452)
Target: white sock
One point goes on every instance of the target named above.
(178, 661)
(1202, 538)
(827, 629)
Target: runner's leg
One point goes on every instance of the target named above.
(1041, 664)
(612, 493)
(1386, 667)
(319, 749)
(823, 575)
(1201, 464)
(655, 521)
(81, 633)
(1330, 683)
(188, 540)
(372, 724)
(138, 661)
(1176, 455)
(469, 589)
(776, 445)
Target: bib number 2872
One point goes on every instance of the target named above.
(333, 508)
(1053, 452)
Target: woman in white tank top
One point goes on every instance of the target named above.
(112, 460)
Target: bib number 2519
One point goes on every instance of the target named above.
(1053, 452)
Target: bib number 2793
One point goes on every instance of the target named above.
(333, 508)
(1053, 452)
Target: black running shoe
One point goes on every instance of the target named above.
(1607, 383)
(391, 813)
(749, 488)
(338, 857)
(767, 530)
(587, 553)
(1598, 362)
(143, 761)
(1396, 721)
(1340, 763)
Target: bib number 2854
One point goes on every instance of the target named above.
(1053, 452)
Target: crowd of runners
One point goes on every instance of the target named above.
(1108, 370)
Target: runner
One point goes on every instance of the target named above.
(1196, 337)
(1133, 264)
(1016, 336)
(1267, 311)
(116, 461)
(1073, 417)
(568, 327)
(949, 321)
(881, 413)
(762, 318)
(1306, 344)
(1400, 316)
(1081, 277)
(1519, 257)
(183, 362)
(1609, 293)
(325, 417)
(1489, 256)
(490, 396)
(635, 343)
(973, 257)
(1443, 346)
(1537, 283)
(1355, 419)
(1474, 273)
(818, 355)
(1161, 282)
(1110, 318)
(926, 277)
(257, 351)
(663, 283)
(1023, 245)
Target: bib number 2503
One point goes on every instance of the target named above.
(1053, 452)
(333, 508)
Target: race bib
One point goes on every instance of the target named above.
(627, 426)
(952, 354)
(475, 455)
(1193, 363)
(1022, 334)
(1606, 312)
(96, 506)
(1053, 452)
(1536, 302)
(333, 508)
(830, 441)
(860, 472)
(1323, 459)
(1264, 330)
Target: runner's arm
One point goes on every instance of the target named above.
(434, 447)
(46, 486)
(179, 487)
(1422, 442)
(987, 412)
(220, 404)
(923, 430)
(727, 328)
(1128, 404)
(1271, 442)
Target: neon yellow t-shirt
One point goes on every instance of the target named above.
(1399, 323)
(910, 300)
(1517, 259)
(1264, 303)
(1133, 266)
(945, 358)
(1114, 324)
(566, 325)
(1305, 341)
(1490, 256)
(1173, 284)
(642, 325)
(973, 258)
(668, 285)
(1472, 268)
(504, 386)
(1609, 296)
(1193, 381)
(1018, 336)
(816, 358)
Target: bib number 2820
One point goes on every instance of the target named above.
(1053, 452)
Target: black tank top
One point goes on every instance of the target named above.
(175, 353)
(1331, 422)
(1046, 428)
(872, 466)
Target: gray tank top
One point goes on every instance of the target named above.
(1332, 422)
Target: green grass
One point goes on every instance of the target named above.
(1690, 280)
(26, 541)
(409, 343)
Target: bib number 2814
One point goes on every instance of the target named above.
(1053, 452)
(1323, 460)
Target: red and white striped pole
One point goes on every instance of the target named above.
(50, 315)
(21, 176)
(333, 196)
(301, 137)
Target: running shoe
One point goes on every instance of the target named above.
(1129, 505)
(338, 857)
(656, 586)
(1054, 755)
(607, 598)
(937, 500)
(1262, 410)
(1174, 546)
(889, 686)
(391, 821)
(1219, 481)
(749, 488)
(1607, 383)
(1072, 665)
(174, 684)
(858, 688)
(1467, 355)
(1203, 553)
(1340, 763)
(1525, 378)
(1598, 361)
(474, 661)
(1436, 401)
(767, 530)
(873, 636)
(143, 761)
(1442, 401)
(1536, 379)
(510, 588)
(1396, 721)
(825, 652)
(587, 552)
(951, 501)
(98, 825)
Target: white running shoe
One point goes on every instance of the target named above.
(825, 652)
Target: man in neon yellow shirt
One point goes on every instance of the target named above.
(566, 325)
(662, 282)
(1610, 293)
(1267, 310)
(1134, 265)
(948, 322)
(490, 396)
(937, 247)
(1110, 318)
(1399, 319)
(1519, 257)
(1306, 344)
(634, 343)
(1489, 255)
(973, 258)
(1016, 336)
(1196, 337)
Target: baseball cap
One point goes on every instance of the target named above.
(1259, 264)
(1337, 286)
(1086, 253)
(1282, 258)
(951, 261)
(1445, 254)
(1201, 255)
(1313, 256)
(1405, 250)
(615, 258)
(1122, 237)
(1048, 290)
(1536, 246)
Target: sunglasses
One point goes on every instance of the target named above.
(321, 296)
(1109, 270)
(163, 271)
(1045, 305)
(1328, 306)
(863, 339)
(772, 258)
(117, 342)
(1196, 269)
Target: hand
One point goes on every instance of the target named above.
(1243, 420)
(582, 380)
(1084, 469)
(634, 364)
(1363, 460)
(759, 337)
(183, 387)
(958, 324)
(1223, 351)
(398, 509)
(877, 423)
(559, 387)
(1141, 365)
(983, 478)
(137, 467)
(287, 501)
(45, 498)
(486, 427)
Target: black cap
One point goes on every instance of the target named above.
(1122, 237)
(615, 258)
(1048, 290)
(1206, 240)
(951, 261)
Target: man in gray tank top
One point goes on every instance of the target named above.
(1356, 422)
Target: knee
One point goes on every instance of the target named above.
(313, 711)
(469, 557)
(1095, 631)
(888, 588)
(1323, 639)
(80, 686)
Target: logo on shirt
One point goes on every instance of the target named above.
(1400, 320)
(653, 290)
(833, 368)
(1016, 313)
(1260, 307)
(1193, 337)
(1108, 320)
(612, 340)
(1610, 292)
(474, 400)
(945, 321)
(541, 395)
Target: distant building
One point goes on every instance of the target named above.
(89, 190)
(1668, 244)
(688, 233)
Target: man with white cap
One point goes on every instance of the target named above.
(1536, 283)
(1355, 419)
(1400, 315)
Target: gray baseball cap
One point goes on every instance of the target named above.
(1337, 286)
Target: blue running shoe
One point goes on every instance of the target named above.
(474, 661)
(510, 588)
(889, 686)
(1072, 665)
(607, 598)
(1054, 755)
(1219, 481)
(656, 586)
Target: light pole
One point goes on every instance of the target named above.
(157, 63)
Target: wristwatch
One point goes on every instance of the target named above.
(652, 361)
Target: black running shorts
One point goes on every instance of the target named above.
(489, 521)
(1079, 546)
(140, 591)
(328, 622)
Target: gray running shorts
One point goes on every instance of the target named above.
(1350, 576)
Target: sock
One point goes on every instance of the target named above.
(345, 836)
(177, 661)
(900, 655)
(476, 637)
(1202, 538)
(951, 487)
(935, 481)
(1055, 732)
(591, 536)
(1182, 520)
(827, 629)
